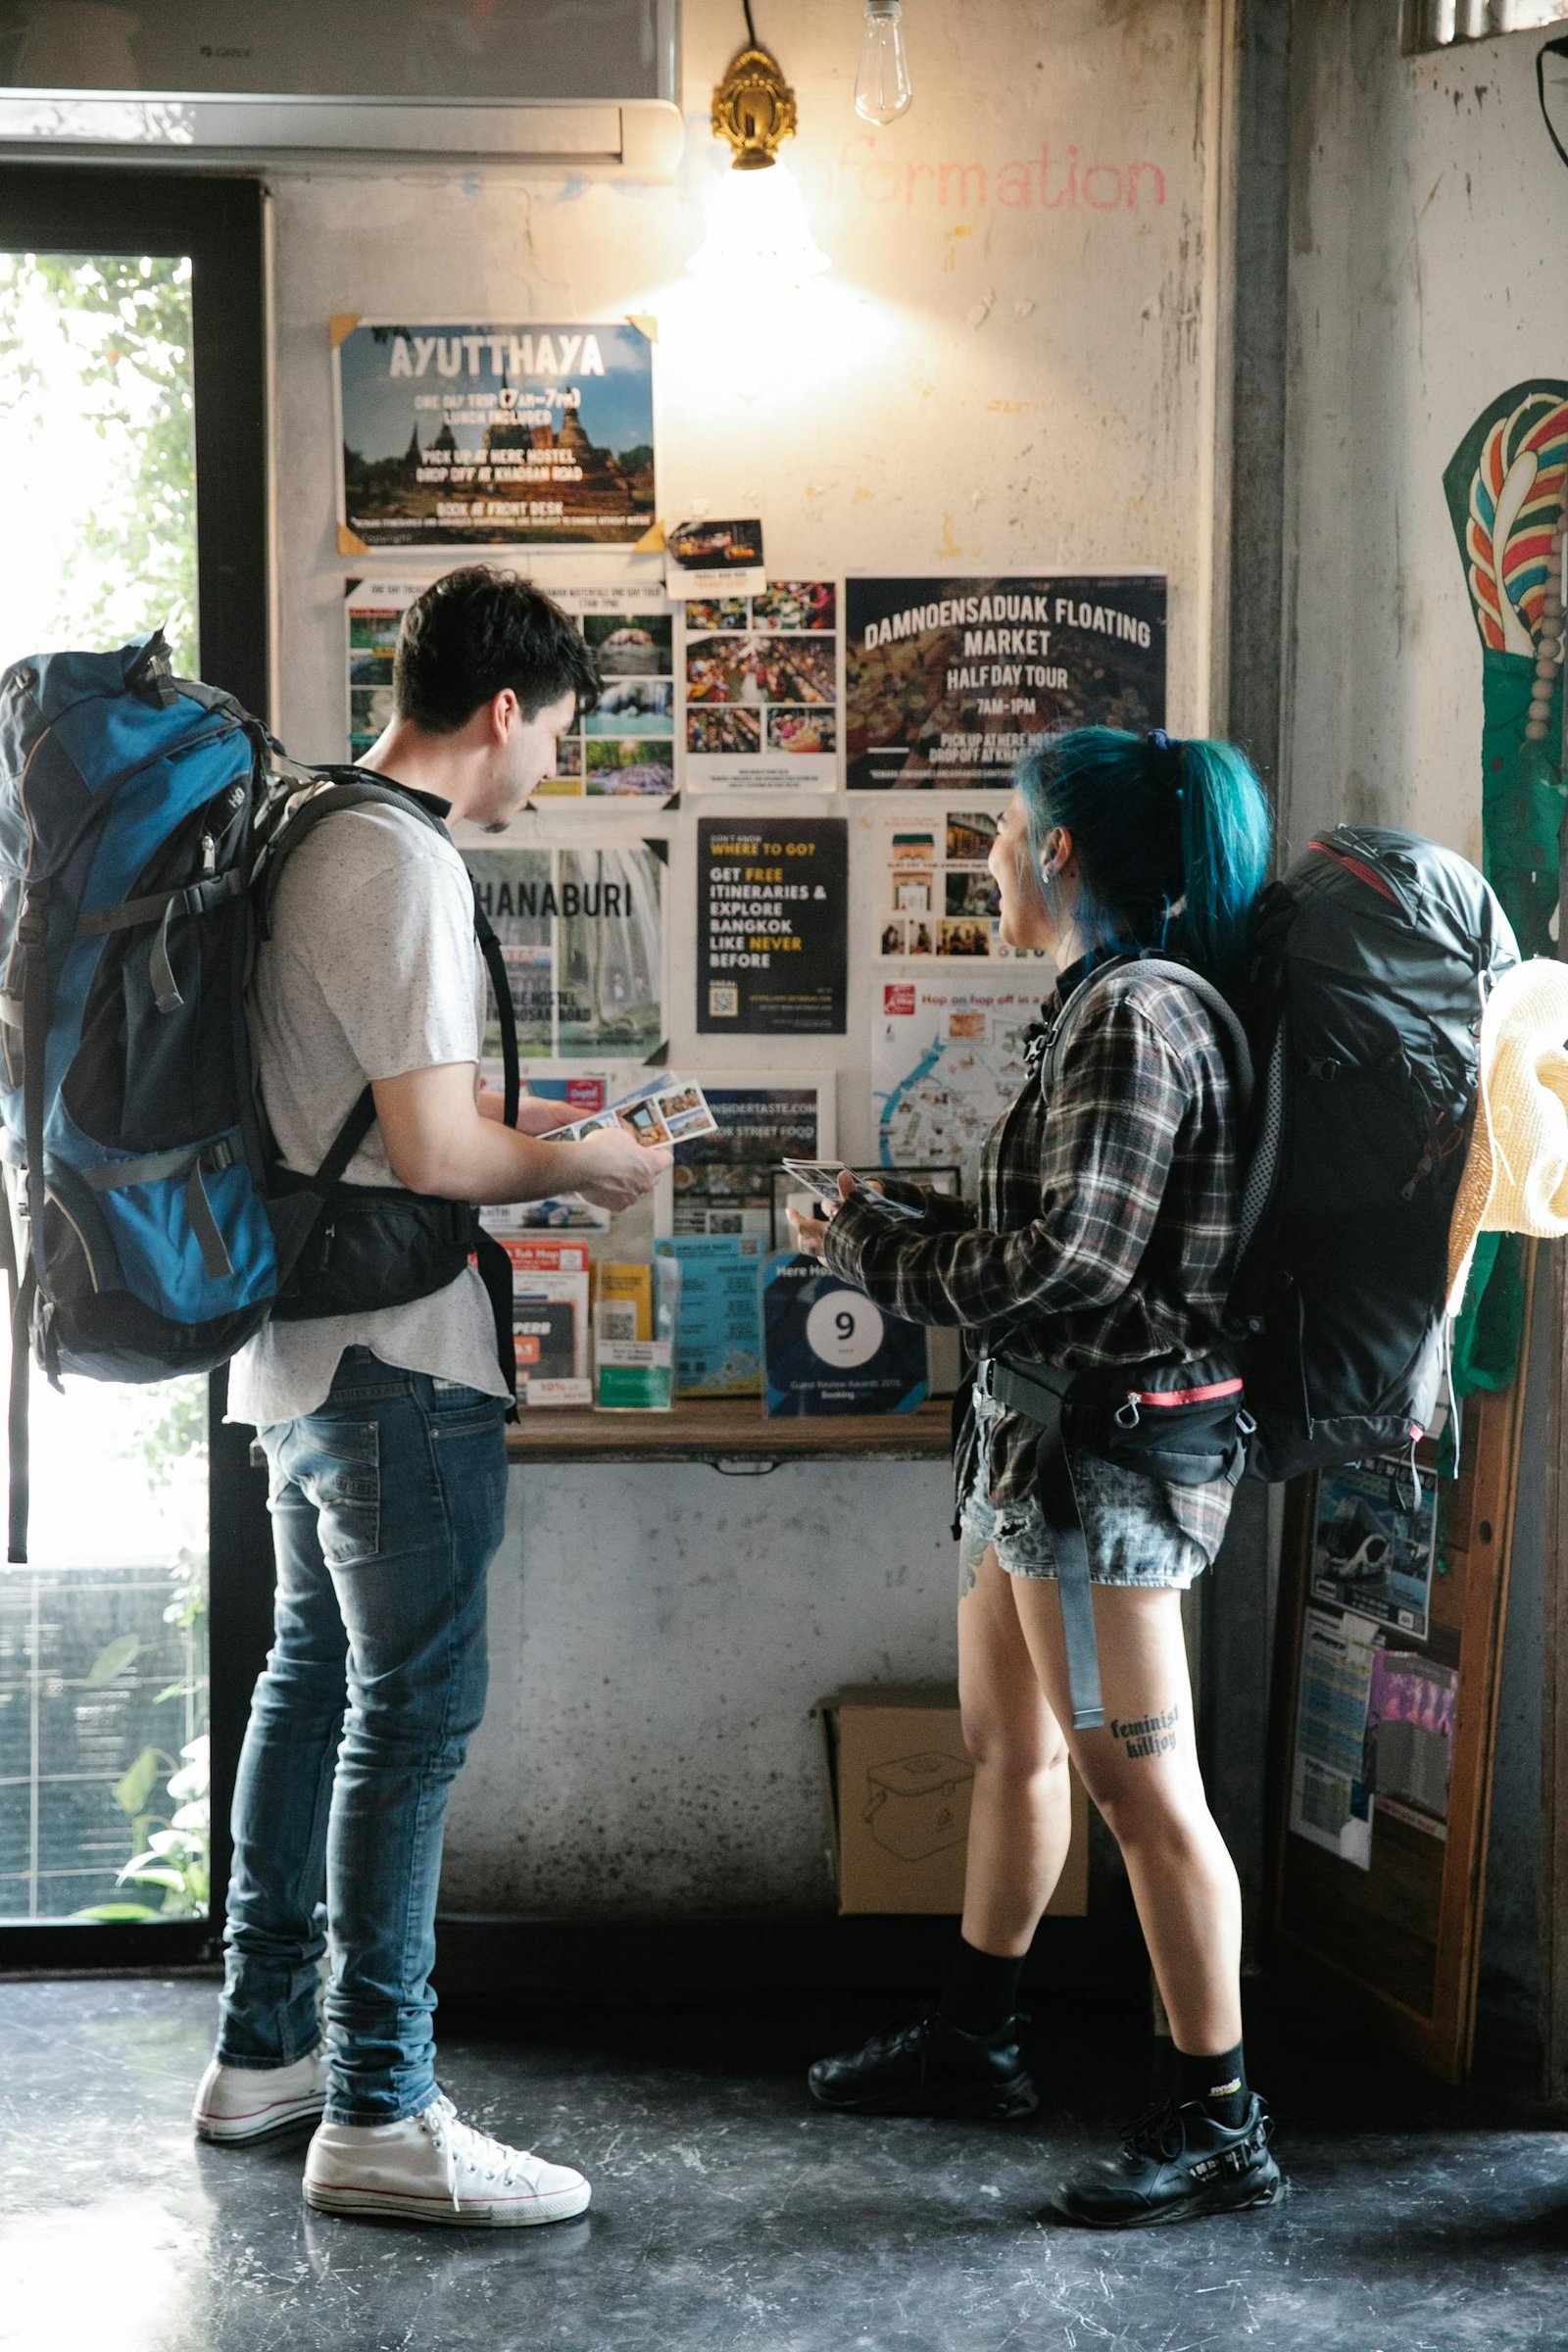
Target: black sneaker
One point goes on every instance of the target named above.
(928, 2067)
(1175, 2163)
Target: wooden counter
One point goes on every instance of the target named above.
(730, 1432)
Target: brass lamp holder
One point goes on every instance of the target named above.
(754, 109)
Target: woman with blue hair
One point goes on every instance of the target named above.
(1091, 1282)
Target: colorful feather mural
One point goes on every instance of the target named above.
(1508, 492)
(1514, 517)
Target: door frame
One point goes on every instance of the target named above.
(221, 223)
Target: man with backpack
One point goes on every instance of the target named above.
(382, 1428)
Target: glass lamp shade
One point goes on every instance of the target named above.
(758, 229)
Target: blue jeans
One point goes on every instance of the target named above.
(387, 1509)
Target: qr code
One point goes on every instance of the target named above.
(618, 1321)
(723, 1000)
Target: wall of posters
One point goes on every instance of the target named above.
(938, 898)
(948, 680)
(620, 756)
(772, 914)
(582, 933)
(947, 1060)
(454, 435)
(722, 1183)
(1369, 1553)
(760, 679)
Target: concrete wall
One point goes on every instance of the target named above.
(1012, 363)
(1429, 273)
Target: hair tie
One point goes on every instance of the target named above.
(1166, 757)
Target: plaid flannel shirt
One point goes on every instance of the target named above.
(1105, 1230)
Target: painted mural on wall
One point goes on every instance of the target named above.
(1507, 491)
(493, 436)
(1507, 485)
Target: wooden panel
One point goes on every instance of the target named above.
(1403, 1939)
(731, 1433)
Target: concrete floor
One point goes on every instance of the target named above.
(729, 2218)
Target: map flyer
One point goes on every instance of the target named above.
(947, 1061)
(1331, 1805)
(722, 1183)
(718, 1329)
(581, 931)
(619, 757)
(947, 681)
(938, 896)
(772, 943)
(829, 1349)
(760, 689)
(464, 436)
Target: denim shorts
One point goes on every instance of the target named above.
(1133, 1534)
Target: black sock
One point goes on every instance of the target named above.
(1219, 2085)
(982, 1991)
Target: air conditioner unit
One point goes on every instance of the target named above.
(576, 82)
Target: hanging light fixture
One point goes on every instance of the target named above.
(882, 86)
(757, 226)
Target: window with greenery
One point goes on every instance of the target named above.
(103, 1673)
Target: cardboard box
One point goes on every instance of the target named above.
(899, 1790)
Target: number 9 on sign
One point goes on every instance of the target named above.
(844, 1329)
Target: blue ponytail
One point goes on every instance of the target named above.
(1172, 840)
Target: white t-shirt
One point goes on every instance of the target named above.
(371, 970)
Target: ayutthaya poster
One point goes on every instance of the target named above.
(457, 437)
(948, 680)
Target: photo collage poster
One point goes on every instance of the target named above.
(620, 756)
(760, 689)
(938, 898)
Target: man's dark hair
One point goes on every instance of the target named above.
(476, 631)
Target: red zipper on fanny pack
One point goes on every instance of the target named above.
(1218, 1388)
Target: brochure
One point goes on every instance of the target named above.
(550, 1283)
(718, 1330)
(663, 1110)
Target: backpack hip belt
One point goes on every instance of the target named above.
(1189, 1433)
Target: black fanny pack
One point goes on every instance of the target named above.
(1188, 1423)
(376, 1246)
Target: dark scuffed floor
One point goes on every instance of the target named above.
(728, 2217)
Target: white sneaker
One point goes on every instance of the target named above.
(434, 2168)
(237, 2104)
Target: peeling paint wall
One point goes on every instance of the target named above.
(1011, 363)
(1429, 273)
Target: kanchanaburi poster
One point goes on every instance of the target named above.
(461, 436)
(948, 680)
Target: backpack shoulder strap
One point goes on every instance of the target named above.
(1159, 969)
(323, 793)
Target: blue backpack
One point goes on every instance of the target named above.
(143, 818)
